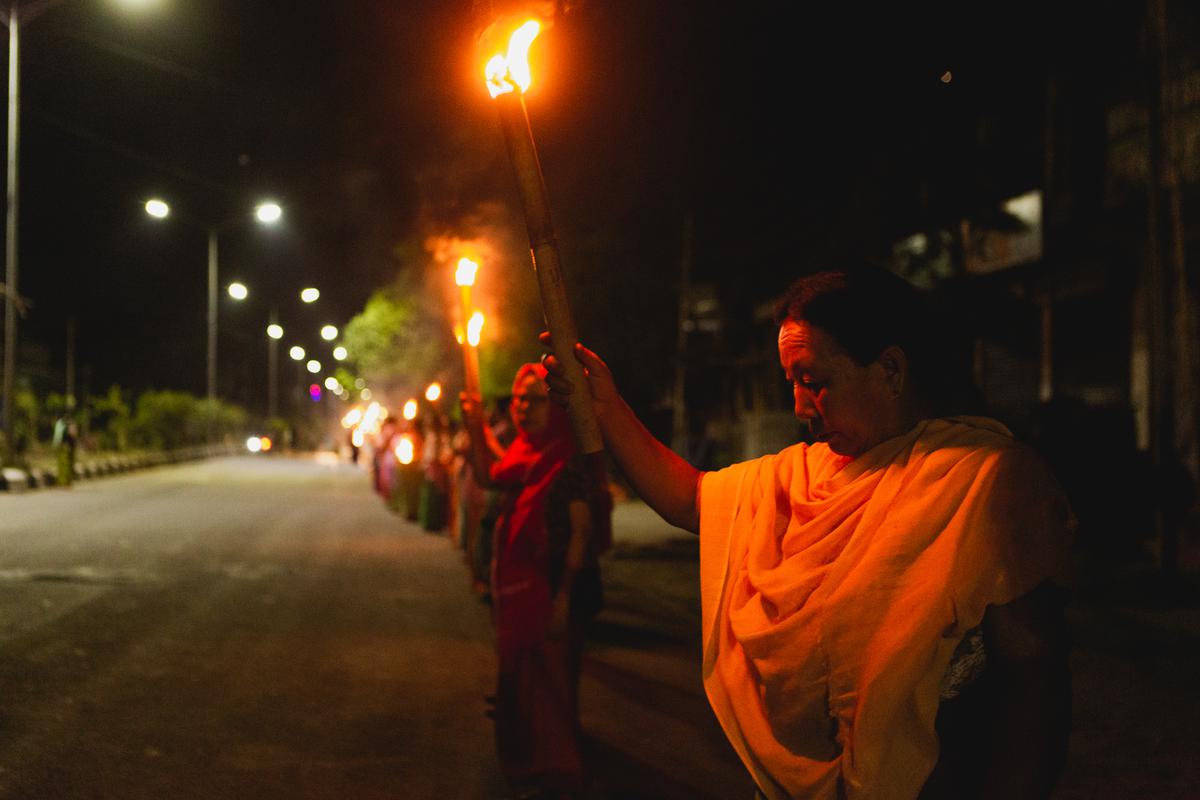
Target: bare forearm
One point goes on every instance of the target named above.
(665, 481)
(485, 451)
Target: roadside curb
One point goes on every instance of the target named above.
(14, 480)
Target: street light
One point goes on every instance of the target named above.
(159, 209)
(297, 353)
(310, 295)
(13, 18)
(275, 331)
(329, 333)
(313, 366)
(340, 353)
(268, 212)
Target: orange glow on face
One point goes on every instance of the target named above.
(433, 392)
(464, 275)
(474, 328)
(410, 409)
(404, 450)
(509, 71)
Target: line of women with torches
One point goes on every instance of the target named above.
(420, 466)
(531, 516)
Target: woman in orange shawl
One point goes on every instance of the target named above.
(878, 608)
(545, 585)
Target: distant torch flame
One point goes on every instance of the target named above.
(433, 392)
(459, 334)
(404, 450)
(353, 418)
(474, 328)
(465, 274)
(507, 72)
(410, 409)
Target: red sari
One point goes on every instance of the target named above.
(537, 723)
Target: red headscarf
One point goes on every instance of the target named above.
(531, 463)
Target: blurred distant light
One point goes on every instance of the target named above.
(254, 444)
(275, 331)
(433, 392)
(405, 450)
(313, 366)
(331, 383)
(947, 76)
(329, 332)
(297, 353)
(410, 409)
(268, 213)
(1026, 207)
(365, 394)
(340, 353)
(359, 383)
(314, 391)
(352, 418)
(266, 443)
(238, 291)
(357, 438)
(310, 294)
(158, 208)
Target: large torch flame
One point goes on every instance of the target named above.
(465, 274)
(410, 409)
(507, 72)
(474, 328)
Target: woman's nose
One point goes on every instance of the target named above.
(805, 407)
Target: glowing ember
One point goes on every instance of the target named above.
(410, 409)
(507, 72)
(474, 328)
(404, 450)
(433, 392)
(464, 275)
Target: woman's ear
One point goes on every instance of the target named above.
(895, 369)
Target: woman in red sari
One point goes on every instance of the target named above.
(545, 585)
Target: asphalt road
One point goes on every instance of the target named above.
(263, 627)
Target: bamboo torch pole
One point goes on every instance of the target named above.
(514, 121)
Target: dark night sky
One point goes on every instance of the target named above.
(788, 133)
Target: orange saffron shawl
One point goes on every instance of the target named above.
(834, 592)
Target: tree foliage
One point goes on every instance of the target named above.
(167, 420)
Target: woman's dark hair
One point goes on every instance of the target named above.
(867, 309)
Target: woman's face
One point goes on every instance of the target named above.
(530, 405)
(850, 407)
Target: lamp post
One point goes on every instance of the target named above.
(13, 18)
(274, 334)
(265, 213)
